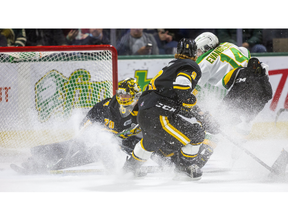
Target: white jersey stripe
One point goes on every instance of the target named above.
(173, 131)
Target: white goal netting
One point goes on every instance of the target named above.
(45, 94)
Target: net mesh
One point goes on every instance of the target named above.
(45, 95)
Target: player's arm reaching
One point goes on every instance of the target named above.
(95, 114)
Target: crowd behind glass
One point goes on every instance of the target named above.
(145, 41)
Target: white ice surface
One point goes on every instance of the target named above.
(241, 174)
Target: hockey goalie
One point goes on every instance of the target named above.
(116, 115)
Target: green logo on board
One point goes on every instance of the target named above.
(59, 95)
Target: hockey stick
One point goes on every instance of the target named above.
(274, 169)
(278, 113)
(246, 151)
(278, 163)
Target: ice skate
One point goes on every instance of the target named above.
(193, 171)
(133, 166)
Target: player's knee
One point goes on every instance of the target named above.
(190, 150)
(140, 152)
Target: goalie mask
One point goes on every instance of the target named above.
(127, 95)
(205, 42)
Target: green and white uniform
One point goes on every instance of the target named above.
(217, 62)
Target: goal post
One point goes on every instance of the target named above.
(45, 91)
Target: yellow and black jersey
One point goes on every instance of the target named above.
(172, 85)
(107, 113)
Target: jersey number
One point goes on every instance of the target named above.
(109, 123)
(152, 82)
(238, 57)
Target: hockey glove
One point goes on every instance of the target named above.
(257, 68)
(187, 106)
(130, 132)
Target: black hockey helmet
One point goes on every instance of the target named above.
(255, 66)
(187, 47)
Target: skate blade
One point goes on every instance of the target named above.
(279, 166)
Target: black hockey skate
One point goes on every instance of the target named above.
(193, 171)
(205, 152)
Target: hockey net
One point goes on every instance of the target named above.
(46, 91)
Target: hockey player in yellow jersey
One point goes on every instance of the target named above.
(116, 115)
(167, 97)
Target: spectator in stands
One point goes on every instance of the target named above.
(189, 33)
(165, 42)
(14, 37)
(34, 37)
(94, 37)
(137, 42)
(53, 37)
(3, 41)
(252, 38)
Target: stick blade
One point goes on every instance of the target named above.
(279, 166)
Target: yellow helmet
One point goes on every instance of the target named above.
(128, 92)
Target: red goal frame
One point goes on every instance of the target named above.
(73, 48)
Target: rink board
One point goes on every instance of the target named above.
(144, 69)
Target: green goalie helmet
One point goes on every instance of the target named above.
(128, 92)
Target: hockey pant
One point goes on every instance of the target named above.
(171, 129)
